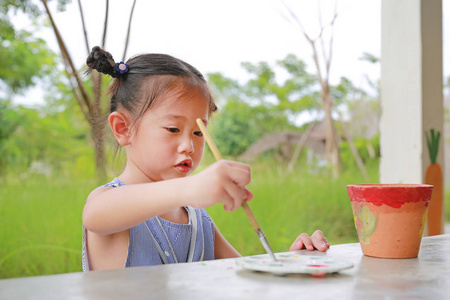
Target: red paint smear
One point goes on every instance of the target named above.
(318, 266)
(393, 195)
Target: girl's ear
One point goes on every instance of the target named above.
(120, 126)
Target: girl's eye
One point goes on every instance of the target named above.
(198, 133)
(173, 130)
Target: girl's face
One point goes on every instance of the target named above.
(166, 142)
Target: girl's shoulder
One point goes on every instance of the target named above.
(113, 184)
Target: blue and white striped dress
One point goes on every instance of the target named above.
(152, 242)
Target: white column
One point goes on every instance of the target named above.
(411, 87)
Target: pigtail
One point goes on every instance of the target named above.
(102, 61)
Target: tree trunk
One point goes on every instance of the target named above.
(98, 126)
(90, 105)
(97, 130)
(331, 143)
(356, 156)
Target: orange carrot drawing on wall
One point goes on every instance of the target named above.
(433, 176)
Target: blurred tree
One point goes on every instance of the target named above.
(93, 105)
(88, 95)
(322, 56)
(23, 59)
(234, 128)
(8, 123)
(48, 138)
(263, 104)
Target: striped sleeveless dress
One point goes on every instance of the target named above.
(158, 241)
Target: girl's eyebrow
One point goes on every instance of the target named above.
(172, 116)
(178, 117)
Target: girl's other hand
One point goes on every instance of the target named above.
(222, 182)
(316, 241)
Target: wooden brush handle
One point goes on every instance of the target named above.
(250, 216)
(217, 156)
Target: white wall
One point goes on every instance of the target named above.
(411, 87)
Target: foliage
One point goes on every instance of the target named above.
(23, 57)
(266, 104)
(9, 121)
(369, 57)
(23, 60)
(234, 128)
(368, 149)
(262, 105)
(53, 140)
(8, 7)
(295, 94)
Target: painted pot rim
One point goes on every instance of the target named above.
(396, 194)
(390, 185)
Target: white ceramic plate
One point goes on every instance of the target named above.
(289, 263)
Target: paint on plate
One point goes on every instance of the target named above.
(293, 263)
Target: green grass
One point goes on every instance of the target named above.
(42, 228)
(41, 217)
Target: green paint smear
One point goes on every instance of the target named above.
(368, 224)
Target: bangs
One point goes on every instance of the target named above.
(158, 87)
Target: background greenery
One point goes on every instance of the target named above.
(42, 216)
(42, 228)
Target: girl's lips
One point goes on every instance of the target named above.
(184, 166)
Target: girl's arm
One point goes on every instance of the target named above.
(110, 210)
(222, 248)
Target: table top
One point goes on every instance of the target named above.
(425, 277)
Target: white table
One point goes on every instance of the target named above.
(425, 277)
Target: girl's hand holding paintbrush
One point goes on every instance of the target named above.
(222, 182)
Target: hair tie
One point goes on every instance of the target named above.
(122, 67)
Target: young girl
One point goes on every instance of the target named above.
(154, 213)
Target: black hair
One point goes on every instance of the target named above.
(148, 78)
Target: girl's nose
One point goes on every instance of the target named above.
(187, 145)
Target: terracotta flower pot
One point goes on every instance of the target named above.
(390, 218)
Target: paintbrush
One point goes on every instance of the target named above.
(244, 205)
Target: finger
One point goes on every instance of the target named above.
(303, 241)
(249, 195)
(227, 200)
(237, 164)
(238, 172)
(318, 235)
(296, 245)
(308, 243)
(228, 203)
(319, 244)
(235, 194)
